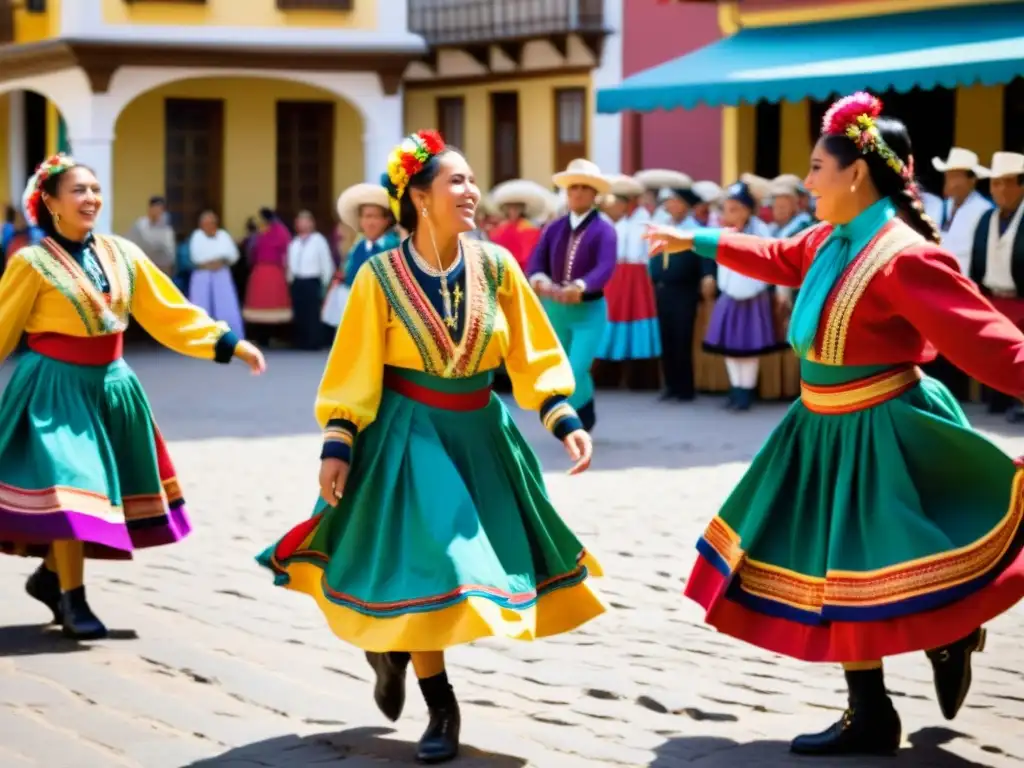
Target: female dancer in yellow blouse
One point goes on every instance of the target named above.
(434, 526)
(84, 471)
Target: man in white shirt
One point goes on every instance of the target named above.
(310, 269)
(997, 259)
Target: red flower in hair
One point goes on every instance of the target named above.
(847, 110)
(432, 141)
(411, 165)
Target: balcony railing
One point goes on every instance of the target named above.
(468, 22)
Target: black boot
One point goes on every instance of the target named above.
(870, 726)
(80, 623)
(731, 399)
(440, 742)
(44, 586)
(951, 668)
(389, 690)
(745, 399)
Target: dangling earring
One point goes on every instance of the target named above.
(56, 220)
(424, 212)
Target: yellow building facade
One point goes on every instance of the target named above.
(975, 112)
(227, 104)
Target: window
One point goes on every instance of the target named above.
(504, 136)
(305, 161)
(451, 120)
(35, 6)
(767, 141)
(193, 160)
(570, 125)
(1013, 116)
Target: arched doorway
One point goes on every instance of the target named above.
(235, 144)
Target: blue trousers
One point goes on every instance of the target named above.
(580, 329)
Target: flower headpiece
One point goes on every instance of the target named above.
(32, 198)
(408, 159)
(855, 117)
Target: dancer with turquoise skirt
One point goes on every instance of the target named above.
(874, 521)
(84, 471)
(434, 527)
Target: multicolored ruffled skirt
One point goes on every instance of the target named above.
(81, 456)
(632, 332)
(444, 534)
(873, 522)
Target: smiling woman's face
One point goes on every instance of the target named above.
(453, 196)
(78, 201)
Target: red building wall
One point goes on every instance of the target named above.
(689, 141)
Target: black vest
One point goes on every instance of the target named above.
(979, 254)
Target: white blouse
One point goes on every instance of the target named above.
(203, 249)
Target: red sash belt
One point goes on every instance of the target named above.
(448, 401)
(78, 350)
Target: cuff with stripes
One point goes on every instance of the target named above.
(339, 436)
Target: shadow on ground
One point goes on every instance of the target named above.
(43, 640)
(925, 750)
(373, 745)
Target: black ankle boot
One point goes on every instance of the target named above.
(870, 726)
(44, 586)
(389, 690)
(440, 742)
(80, 623)
(951, 669)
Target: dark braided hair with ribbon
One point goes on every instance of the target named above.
(854, 128)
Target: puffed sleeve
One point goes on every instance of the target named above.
(353, 380)
(780, 262)
(927, 288)
(536, 364)
(168, 316)
(18, 289)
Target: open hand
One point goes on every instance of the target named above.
(333, 476)
(580, 448)
(250, 354)
(662, 238)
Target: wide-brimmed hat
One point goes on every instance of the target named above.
(786, 184)
(531, 195)
(960, 159)
(1006, 164)
(584, 173)
(355, 197)
(663, 178)
(707, 191)
(625, 186)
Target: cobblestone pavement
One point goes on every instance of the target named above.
(212, 666)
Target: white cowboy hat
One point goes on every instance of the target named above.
(786, 184)
(625, 186)
(355, 197)
(1006, 164)
(960, 160)
(584, 173)
(760, 188)
(662, 178)
(531, 195)
(707, 191)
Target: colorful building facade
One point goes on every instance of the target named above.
(227, 104)
(974, 102)
(512, 83)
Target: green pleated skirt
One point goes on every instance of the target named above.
(875, 529)
(81, 458)
(444, 534)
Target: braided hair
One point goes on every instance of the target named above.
(901, 188)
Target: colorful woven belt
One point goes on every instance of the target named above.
(860, 394)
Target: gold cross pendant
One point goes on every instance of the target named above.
(450, 321)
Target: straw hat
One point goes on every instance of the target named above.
(531, 195)
(707, 191)
(582, 172)
(759, 187)
(960, 159)
(786, 184)
(1006, 164)
(625, 186)
(662, 178)
(355, 197)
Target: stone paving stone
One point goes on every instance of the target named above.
(216, 668)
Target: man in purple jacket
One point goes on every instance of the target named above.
(569, 268)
